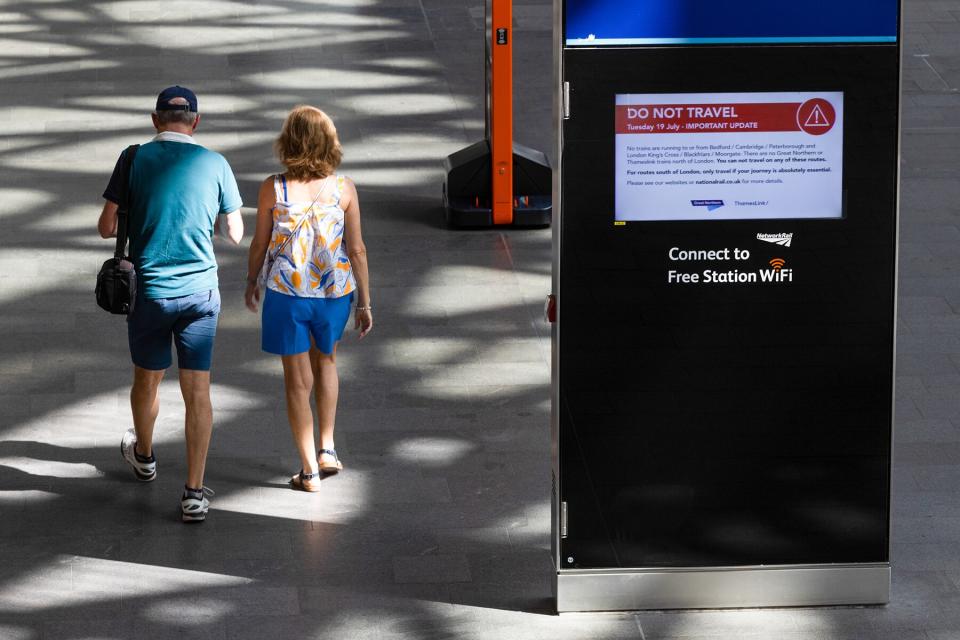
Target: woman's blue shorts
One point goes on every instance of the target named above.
(289, 321)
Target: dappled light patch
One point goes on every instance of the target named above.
(61, 578)
(296, 77)
(432, 452)
(20, 498)
(50, 467)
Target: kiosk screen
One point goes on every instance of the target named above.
(593, 23)
(728, 156)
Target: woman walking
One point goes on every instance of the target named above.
(308, 255)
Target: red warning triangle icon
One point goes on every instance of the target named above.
(817, 118)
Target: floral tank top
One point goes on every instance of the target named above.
(314, 263)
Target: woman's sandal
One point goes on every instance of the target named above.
(329, 469)
(309, 482)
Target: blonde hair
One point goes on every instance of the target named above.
(308, 145)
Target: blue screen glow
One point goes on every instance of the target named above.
(649, 22)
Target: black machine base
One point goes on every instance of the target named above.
(467, 191)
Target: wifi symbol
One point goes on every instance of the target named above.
(777, 263)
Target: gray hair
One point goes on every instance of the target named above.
(181, 117)
(177, 116)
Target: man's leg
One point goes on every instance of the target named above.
(145, 406)
(148, 332)
(195, 387)
(193, 335)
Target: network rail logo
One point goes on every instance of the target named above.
(782, 239)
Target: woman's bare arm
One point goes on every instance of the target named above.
(357, 252)
(261, 239)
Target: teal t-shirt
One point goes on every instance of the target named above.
(177, 189)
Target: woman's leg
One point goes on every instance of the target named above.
(298, 381)
(327, 390)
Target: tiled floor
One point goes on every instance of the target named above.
(439, 526)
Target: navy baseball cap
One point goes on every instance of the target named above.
(168, 94)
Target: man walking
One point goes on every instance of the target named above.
(178, 192)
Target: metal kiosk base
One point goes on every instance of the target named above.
(741, 587)
(467, 190)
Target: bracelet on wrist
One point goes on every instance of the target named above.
(366, 308)
(251, 281)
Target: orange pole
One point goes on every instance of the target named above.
(501, 108)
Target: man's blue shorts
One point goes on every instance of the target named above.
(289, 321)
(191, 321)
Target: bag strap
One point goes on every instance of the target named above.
(123, 207)
(303, 219)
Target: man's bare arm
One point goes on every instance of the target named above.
(107, 225)
(232, 230)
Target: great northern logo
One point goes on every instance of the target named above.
(782, 239)
(711, 205)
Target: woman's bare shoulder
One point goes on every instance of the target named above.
(268, 194)
(268, 182)
(348, 190)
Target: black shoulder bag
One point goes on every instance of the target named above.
(117, 281)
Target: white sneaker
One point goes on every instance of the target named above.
(145, 471)
(194, 504)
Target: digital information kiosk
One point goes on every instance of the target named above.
(724, 281)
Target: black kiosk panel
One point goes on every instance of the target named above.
(726, 290)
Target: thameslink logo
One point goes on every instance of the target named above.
(782, 239)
